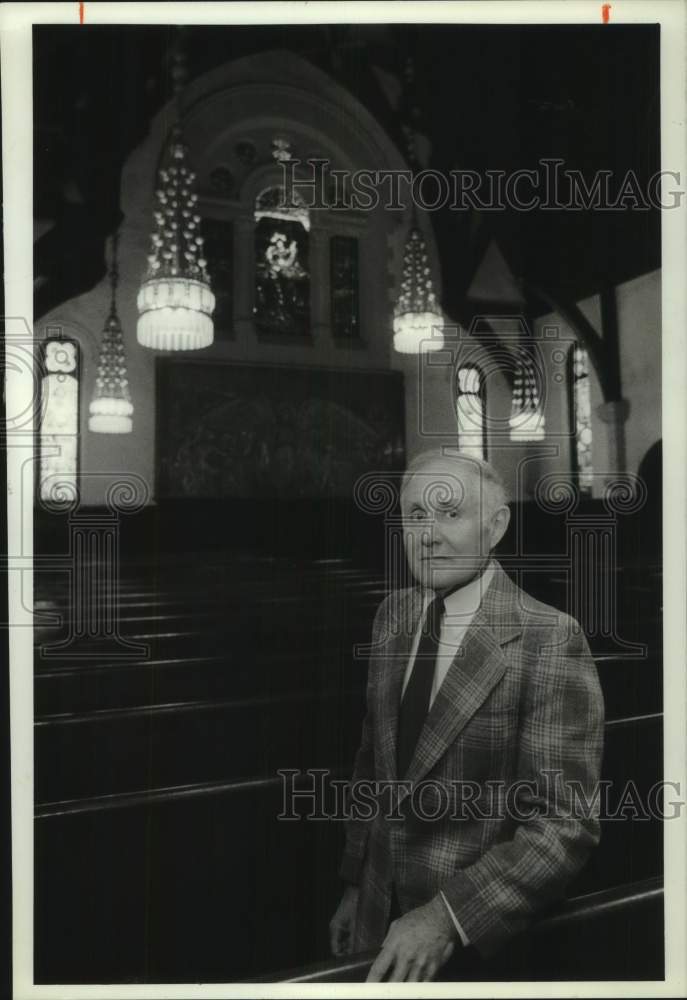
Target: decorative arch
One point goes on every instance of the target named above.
(230, 117)
(233, 118)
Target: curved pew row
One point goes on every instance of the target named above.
(154, 776)
(159, 872)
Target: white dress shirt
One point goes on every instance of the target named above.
(460, 608)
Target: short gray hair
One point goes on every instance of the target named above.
(492, 484)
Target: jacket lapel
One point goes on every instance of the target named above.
(476, 669)
(393, 667)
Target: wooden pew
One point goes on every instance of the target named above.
(157, 792)
(559, 939)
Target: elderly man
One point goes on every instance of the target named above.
(486, 703)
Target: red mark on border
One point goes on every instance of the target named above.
(605, 12)
(81, 12)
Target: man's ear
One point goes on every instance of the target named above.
(500, 520)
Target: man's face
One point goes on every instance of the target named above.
(447, 530)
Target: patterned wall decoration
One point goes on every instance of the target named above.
(254, 431)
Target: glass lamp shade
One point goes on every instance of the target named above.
(111, 409)
(108, 415)
(418, 332)
(175, 314)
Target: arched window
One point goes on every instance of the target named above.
(282, 278)
(281, 272)
(59, 430)
(471, 411)
(580, 417)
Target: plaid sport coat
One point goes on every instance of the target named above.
(507, 763)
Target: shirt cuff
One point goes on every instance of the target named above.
(461, 933)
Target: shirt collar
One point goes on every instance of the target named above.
(466, 600)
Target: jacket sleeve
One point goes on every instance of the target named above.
(357, 830)
(557, 825)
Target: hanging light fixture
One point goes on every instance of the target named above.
(111, 410)
(175, 301)
(526, 421)
(418, 322)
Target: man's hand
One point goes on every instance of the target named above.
(416, 946)
(342, 923)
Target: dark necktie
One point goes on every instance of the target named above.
(415, 702)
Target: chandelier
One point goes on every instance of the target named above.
(418, 322)
(110, 410)
(526, 421)
(175, 301)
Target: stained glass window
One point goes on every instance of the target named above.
(343, 258)
(471, 411)
(219, 246)
(580, 418)
(282, 278)
(272, 203)
(527, 422)
(59, 428)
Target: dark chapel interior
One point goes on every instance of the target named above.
(206, 572)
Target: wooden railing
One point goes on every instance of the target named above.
(594, 907)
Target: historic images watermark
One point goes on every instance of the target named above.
(316, 794)
(551, 186)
